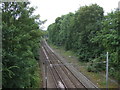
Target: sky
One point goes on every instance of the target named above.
(51, 9)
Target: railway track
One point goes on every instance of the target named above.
(61, 75)
(55, 73)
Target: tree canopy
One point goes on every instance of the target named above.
(20, 38)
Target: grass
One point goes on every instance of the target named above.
(97, 78)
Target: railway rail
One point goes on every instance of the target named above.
(62, 76)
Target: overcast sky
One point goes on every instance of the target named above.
(51, 9)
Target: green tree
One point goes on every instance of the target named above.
(20, 37)
(87, 23)
(108, 38)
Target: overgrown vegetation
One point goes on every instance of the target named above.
(90, 34)
(20, 38)
(98, 78)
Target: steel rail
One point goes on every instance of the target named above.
(53, 77)
(60, 78)
(70, 75)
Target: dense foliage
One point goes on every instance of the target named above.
(90, 35)
(20, 39)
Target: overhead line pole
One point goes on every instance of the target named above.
(107, 70)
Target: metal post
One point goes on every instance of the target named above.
(107, 70)
(119, 5)
(46, 74)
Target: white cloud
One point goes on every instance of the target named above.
(51, 9)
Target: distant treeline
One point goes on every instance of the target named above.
(90, 34)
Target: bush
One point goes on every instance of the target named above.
(95, 65)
